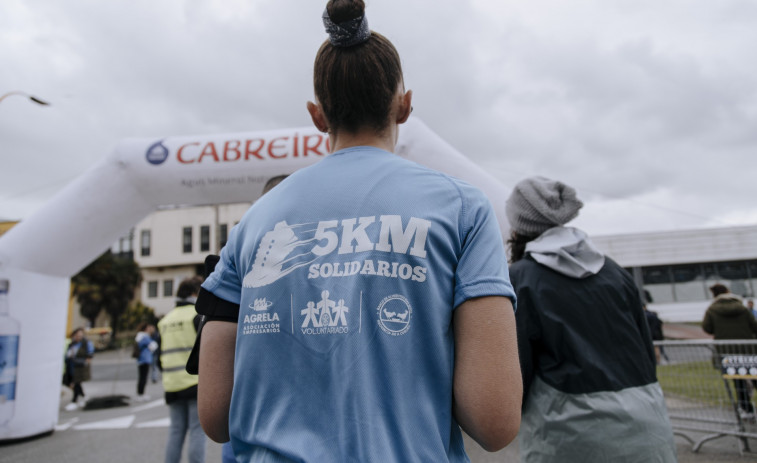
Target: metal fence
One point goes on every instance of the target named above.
(708, 388)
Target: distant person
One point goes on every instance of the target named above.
(655, 330)
(78, 358)
(178, 330)
(590, 390)
(155, 366)
(361, 310)
(146, 346)
(728, 318)
(750, 306)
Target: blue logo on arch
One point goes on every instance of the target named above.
(157, 153)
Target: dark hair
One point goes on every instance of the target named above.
(142, 326)
(189, 287)
(355, 85)
(76, 330)
(718, 289)
(517, 245)
(272, 182)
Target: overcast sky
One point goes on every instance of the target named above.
(647, 107)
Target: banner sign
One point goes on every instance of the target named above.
(739, 366)
(39, 255)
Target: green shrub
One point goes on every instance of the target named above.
(135, 314)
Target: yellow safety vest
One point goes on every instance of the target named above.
(177, 336)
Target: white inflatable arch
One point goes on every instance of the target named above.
(41, 253)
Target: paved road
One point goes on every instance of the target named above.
(137, 433)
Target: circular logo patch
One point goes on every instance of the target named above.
(157, 153)
(394, 313)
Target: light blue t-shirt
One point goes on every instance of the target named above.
(347, 274)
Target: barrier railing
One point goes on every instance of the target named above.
(708, 389)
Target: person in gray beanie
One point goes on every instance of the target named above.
(538, 204)
(589, 382)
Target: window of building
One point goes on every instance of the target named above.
(752, 269)
(223, 235)
(187, 239)
(658, 281)
(732, 274)
(689, 283)
(152, 289)
(124, 243)
(123, 247)
(205, 238)
(167, 288)
(144, 242)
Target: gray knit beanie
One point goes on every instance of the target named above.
(538, 204)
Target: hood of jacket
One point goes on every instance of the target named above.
(566, 250)
(141, 335)
(727, 305)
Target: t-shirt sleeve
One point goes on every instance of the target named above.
(482, 268)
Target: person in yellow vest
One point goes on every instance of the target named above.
(178, 330)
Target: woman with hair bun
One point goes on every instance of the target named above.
(362, 309)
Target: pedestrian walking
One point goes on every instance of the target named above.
(145, 346)
(77, 366)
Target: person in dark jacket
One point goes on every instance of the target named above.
(655, 329)
(589, 380)
(728, 318)
(78, 357)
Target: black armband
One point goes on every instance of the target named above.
(209, 307)
(216, 309)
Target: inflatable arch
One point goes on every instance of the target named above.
(39, 255)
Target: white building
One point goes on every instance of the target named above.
(171, 244)
(675, 268)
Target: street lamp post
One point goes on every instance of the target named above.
(20, 93)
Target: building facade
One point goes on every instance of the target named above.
(170, 245)
(673, 268)
(676, 268)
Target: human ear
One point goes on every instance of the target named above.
(406, 107)
(316, 114)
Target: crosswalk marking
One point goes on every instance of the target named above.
(122, 422)
(147, 406)
(161, 423)
(66, 425)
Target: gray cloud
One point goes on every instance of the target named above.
(647, 107)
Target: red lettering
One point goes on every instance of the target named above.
(272, 146)
(256, 152)
(296, 140)
(178, 153)
(234, 149)
(209, 150)
(306, 147)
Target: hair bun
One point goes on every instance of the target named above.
(349, 26)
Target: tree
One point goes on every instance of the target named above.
(108, 283)
(135, 314)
